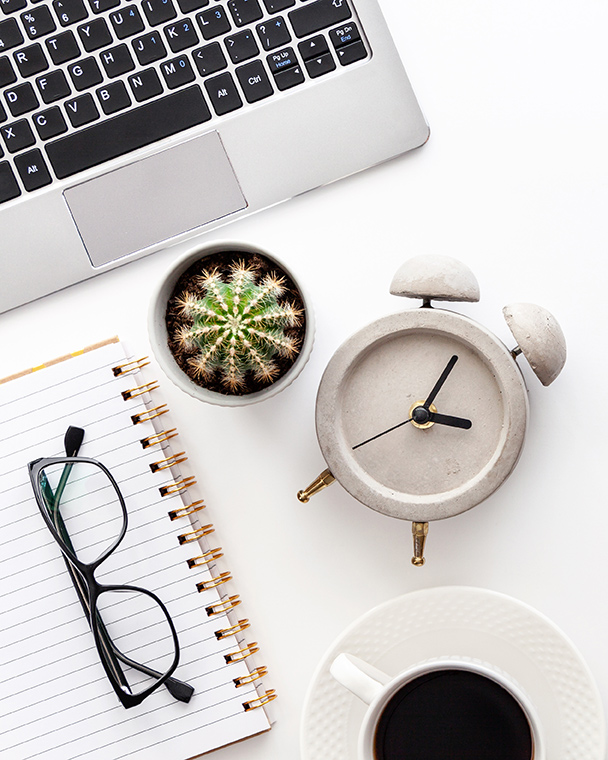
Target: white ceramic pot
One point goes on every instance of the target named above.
(158, 330)
(375, 688)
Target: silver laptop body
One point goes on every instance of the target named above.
(313, 118)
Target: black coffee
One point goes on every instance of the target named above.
(452, 715)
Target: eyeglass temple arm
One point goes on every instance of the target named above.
(178, 689)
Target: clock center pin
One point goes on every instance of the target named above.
(420, 415)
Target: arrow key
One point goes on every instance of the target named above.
(351, 53)
(316, 67)
(314, 47)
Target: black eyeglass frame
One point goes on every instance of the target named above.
(94, 588)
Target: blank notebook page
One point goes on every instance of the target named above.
(56, 702)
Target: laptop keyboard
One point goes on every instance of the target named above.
(85, 81)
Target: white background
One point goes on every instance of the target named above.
(513, 181)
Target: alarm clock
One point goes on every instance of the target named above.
(422, 414)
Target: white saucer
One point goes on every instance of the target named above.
(473, 622)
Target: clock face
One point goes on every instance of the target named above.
(401, 455)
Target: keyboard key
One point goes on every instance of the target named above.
(245, 11)
(9, 188)
(33, 170)
(126, 22)
(31, 60)
(315, 46)
(117, 60)
(187, 6)
(323, 64)
(213, 22)
(11, 6)
(181, 35)
(177, 72)
(145, 84)
(49, 123)
(158, 11)
(53, 86)
(209, 59)
(273, 33)
(63, 47)
(7, 73)
(3, 116)
(241, 46)
(282, 59)
(85, 73)
(344, 35)
(254, 81)
(276, 6)
(38, 21)
(70, 11)
(149, 48)
(99, 6)
(351, 53)
(128, 131)
(288, 78)
(313, 17)
(10, 34)
(113, 97)
(17, 135)
(81, 110)
(223, 94)
(94, 34)
(21, 99)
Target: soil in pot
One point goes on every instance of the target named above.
(189, 282)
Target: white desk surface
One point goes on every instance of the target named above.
(514, 181)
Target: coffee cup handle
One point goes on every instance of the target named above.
(359, 677)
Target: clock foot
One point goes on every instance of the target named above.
(318, 484)
(420, 531)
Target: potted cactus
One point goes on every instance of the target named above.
(230, 325)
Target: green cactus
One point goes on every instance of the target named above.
(237, 326)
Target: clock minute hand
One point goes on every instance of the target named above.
(446, 419)
(444, 376)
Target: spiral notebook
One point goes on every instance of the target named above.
(55, 700)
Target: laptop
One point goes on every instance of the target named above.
(127, 126)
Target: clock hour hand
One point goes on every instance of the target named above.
(444, 376)
(446, 419)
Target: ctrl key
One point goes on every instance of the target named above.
(9, 188)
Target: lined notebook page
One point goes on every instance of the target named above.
(56, 702)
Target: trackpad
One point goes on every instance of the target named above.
(154, 199)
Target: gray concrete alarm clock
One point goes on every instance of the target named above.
(422, 415)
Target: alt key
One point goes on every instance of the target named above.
(32, 170)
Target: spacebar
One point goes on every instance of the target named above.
(129, 131)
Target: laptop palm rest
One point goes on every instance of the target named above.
(154, 199)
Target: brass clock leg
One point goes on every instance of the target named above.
(318, 484)
(420, 531)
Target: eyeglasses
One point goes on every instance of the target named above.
(133, 632)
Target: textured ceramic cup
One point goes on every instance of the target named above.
(376, 689)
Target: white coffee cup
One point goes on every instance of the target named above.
(375, 688)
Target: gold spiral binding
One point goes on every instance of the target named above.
(196, 506)
(253, 676)
(149, 414)
(177, 487)
(161, 437)
(267, 697)
(213, 582)
(220, 608)
(223, 633)
(132, 366)
(242, 654)
(139, 390)
(206, 558)
(194, 535)
(165, 464)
